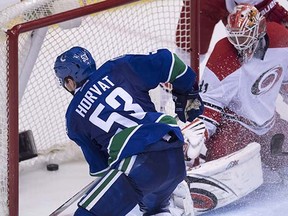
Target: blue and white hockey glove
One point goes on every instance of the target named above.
(187, 107)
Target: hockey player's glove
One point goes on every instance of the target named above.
(187, 107)
(195, 135)
(273, 12)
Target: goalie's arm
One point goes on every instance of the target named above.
(273, 12)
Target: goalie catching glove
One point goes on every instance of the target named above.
(195, 135)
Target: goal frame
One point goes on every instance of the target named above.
(12, 77)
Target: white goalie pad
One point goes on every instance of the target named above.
(181, 202)
(220, 182)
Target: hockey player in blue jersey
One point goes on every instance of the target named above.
(137, 151)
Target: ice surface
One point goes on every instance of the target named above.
(42, 191)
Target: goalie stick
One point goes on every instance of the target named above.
(276, 145)
(73, 199)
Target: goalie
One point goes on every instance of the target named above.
(241, 81)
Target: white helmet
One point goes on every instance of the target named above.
(245, 27)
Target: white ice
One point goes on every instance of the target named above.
(42, 191)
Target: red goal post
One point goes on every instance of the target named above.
(33, 33)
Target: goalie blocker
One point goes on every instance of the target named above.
(220, 182)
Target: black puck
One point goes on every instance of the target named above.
(52, 167)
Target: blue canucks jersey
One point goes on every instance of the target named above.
(111, 116)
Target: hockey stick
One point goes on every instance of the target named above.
(73, 199)
(276, 145)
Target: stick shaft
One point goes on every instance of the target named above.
(73, 199)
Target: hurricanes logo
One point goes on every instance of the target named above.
(266, 81)
(204, 192)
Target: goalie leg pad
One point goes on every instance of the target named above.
(181, 198)
(220, 182)
(114, 188)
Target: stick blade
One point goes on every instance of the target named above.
(277, 143)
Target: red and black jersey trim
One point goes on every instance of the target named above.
(212, 113)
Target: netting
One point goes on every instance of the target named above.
(138, 27)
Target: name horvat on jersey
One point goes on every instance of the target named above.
(91, 95)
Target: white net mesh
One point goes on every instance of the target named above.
(139, 27)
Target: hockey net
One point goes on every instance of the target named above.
(33, 33)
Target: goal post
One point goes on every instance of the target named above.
(195, 36)
(34, 33)
(12, 89)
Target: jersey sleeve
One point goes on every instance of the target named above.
(95, 157)
(211, 92)
(160, 67)
(218, 86)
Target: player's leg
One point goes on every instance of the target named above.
(156, 175)
(229, 137)
(115, 190)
